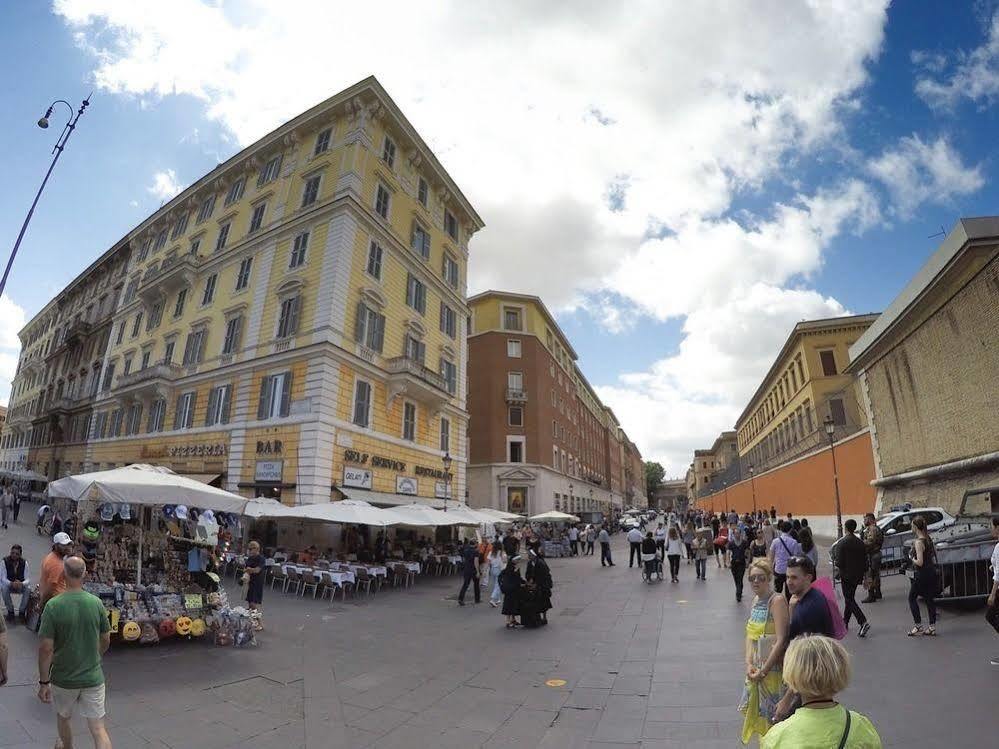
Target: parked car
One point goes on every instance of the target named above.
(897, 527)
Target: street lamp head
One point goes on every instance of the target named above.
(830, 425)
(751, 469)
(446, 460)
(43, 123)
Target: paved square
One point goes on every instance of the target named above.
(650, 666)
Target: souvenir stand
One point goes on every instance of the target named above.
(149, 538)
(555, 548)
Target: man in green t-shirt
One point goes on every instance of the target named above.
(74, 633)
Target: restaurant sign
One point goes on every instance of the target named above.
(268, 470)
(442, 489)
(183, 451)
(359, 478)
(406, 485)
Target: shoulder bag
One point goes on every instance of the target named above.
(846, 730)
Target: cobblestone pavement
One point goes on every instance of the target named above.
(645, 666)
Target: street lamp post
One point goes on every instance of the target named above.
(572, 502)
(830, 431)
(57, 150)
(752, 483)
(446, 460)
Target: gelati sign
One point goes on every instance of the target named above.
(359, 478)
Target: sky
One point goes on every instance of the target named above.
(681, 183)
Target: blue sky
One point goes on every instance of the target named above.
(797, 165)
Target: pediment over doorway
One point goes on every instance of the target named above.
(517, 474)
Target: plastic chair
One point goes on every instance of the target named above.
(294, 580)
(308, 580)
(278, 575)
(363, 579)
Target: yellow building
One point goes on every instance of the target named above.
(294, 321)
(805, 385)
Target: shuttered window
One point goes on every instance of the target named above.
(369, 328)
(362, 403)
(288, 321)
(218, 405)
(183, 417)
(275, 396)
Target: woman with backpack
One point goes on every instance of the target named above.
(817, 668)
(924, 583)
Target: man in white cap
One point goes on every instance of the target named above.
(52, 579)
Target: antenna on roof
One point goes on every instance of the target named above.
(940, 233)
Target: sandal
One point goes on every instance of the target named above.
(916, 631)
(931, 632)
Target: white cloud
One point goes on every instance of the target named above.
(604, 149)
(916, 172)
(165, 185)
(12, 319)
(975, 74)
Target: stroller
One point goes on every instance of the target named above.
(652, 567)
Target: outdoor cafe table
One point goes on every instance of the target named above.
(336, 576)
(371, 569)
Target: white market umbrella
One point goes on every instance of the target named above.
(141, 484)
(499, 515)
(555, 517)
(347, 512)
(470, 515)
(422, 515)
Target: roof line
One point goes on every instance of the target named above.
(528, 297)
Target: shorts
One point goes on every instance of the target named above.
(89, 700)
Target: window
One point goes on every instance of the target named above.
(155, 316)
(828, 360)
(375, 260)
(243, 275)
(235, 191)
(178, 308)
(449, 321)
(109, 376)
(161, 240)
(144, 250)
(382, 201)
(195, 246)
(515, 451)
(298, 248)
(194, 349)
(218, 405)
(449, 371)
(269, 171)
(408, 421)
(515, 380)
(100, 425)
(209, 293)
(322, 141)
(369, 328)
(183, 417)
(275, 396)
(423, 192)
(362, 403)
(837, 411)
(451, 225)
(223, 236)
(180, 225)
(288, 320)
(128, 366)
(130, 290)
(121, 333)
(415, 350)
(516, 416)
(233, 331)
(168, 353)
(206, 209)
(513, 348)
(114, 428)
(134, 420)
(145, 358)
(388, 152)
(511, 319)
(416, 294)
(311, 191)
(420, 241)
(445, 443)
(157, 411)
(257, 218)
(137, 325)
(450, 271)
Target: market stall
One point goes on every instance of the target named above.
(150, 539)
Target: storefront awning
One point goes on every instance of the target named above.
(204, 478)
(385, 499)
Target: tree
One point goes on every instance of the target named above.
(654, 473)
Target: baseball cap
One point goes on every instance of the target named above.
(62, 539)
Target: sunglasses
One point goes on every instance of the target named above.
(757, 578)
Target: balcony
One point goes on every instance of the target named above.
(60, 406)
(172, 274)
(516, 395)
(76, 332)
(152, 382)
(411, 378)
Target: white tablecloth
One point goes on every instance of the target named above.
(336, 576)
(411, 566)
(376, 571)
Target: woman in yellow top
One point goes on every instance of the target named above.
(818, 667)
(766, 639)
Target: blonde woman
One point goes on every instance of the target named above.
(817, 668)
(766, 639)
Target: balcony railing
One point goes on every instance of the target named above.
(516, 395)
(161, 372)
(173, 273)
(403, 365)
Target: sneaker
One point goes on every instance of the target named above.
(995, 661)
(864, 629)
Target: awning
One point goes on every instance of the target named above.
(390, 500)
(204, 478)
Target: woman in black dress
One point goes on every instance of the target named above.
(512, 586)
(539, 578)
(254, 569)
